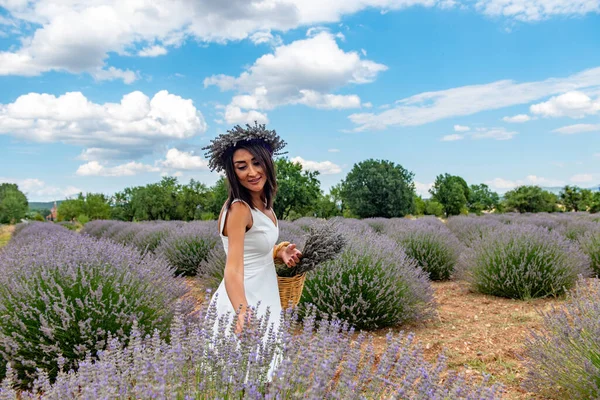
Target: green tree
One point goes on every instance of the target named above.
(298, 190)
(595, 203)
(530, 199)
(574, 198)
(482, 199)
(156, 201)
(432, 207)
(92, 206)
(379, 188)
(217, 196)
(13, 203)
(326, 207)
(452, 192)
(192, 200)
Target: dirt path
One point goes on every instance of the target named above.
(5, 232)
(480, 333)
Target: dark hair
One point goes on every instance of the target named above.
(263, 155)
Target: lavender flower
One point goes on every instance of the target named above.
(430, 243)
(373, 283)
(470, 229)
(323, 243)
(523, 261)
(186, 247)
(590, 245)
(316, 360)
(62, 294)
(564, 356)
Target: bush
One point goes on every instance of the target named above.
(371, 284)
(565, 355)
(471, 229)
(97, 228)
(61, 294)
(83, 219)
(433, 246)
(196, 364)
(590, 245)
(150, 235)
(523, 261)
(186, 247)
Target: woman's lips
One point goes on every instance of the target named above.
(254, 181)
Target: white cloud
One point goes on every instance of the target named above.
(517, 118)
(502, 185)
(482, 133)
(333, 150)
(572, 104)
(135, 124)
(422, 189)
(597, 155)
(582, 178)
(266, 37)
(324, 167)
(38, 190)
(428, 107)
(535, 10)
(302, 72)
(577, 128)
(461, 128)
(453, 137)
(153, 51)
(235, 115)
(493, 133)
(176, 159)
(94, 168)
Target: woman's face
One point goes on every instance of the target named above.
(248, 170)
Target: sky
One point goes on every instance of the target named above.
(97, 96)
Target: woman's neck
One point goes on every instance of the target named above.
(257, 199)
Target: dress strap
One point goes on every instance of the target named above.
(224, 214)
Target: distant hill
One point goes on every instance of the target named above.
(36, 205)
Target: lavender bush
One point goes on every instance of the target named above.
(150, 236)
(523, 261)
(432, 245)
(471, 229)
(318, 360)
(564, 356)
(61, 294)
(373, 283)
(186, 247)
(97, 228)
(590, 245)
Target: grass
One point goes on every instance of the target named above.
(5, 233)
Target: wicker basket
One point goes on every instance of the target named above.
(290, 289)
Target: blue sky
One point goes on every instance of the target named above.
(98, 96)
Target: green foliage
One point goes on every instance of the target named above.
(326, 207)
(379, 188)
(92, 205)
(218, 196)
(298, 190)
(574, 198)
(13, 204)
(595, 203)
(83, 219)
(530, 199)
(452, 192)
(482, 199)
(432, 207)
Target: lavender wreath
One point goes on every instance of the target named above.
(227, 142)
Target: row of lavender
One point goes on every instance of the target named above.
(116, 318)
(382, 278)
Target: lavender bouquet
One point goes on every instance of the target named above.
(323, 243)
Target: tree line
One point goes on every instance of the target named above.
(373, 188)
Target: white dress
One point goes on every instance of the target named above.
(260, 276)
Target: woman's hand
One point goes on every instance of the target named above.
(243, 318)
(290, 255)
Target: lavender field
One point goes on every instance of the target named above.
(119, 310)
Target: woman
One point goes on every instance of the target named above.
(247, 223)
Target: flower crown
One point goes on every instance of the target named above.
(225, 142)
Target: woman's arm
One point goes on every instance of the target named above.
(238, 218)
